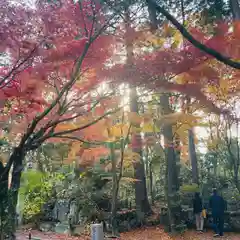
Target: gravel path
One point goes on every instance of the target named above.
(153, 233)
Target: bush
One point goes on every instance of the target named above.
(36, 189)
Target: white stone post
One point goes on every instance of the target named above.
(97, 231)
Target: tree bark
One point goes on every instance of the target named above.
(3, 200)
(151, 183)
(174, 208)
(193, 156)
(172, 183)
(142, 203)
(18, 157)
(152, 16)
(114, 191)
(235, 8)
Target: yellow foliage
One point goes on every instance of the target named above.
(127, 164)
(149, 128)
(189, 188)
(183, 78)
(75, 147)
(177, 39)
(148, 39)
(129, 180)
(130, 157)
(181, 132)
(212, 144)
(65, 126)
(223, 83)
(224, 88)
(155, 41)
(118, 130)
(221, 91)
(180, 117)
(168, 31)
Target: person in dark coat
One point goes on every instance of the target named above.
(197, 210)
(218, 206)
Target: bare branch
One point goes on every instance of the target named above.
(58, 134)
(80, 140)
(83, 19)
(17, 66)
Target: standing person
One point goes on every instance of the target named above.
(197, 210)
(217, 204)
(204, 215)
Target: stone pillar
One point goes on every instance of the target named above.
(97, 231)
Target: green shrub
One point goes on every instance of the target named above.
(189, 188)
(36, 189)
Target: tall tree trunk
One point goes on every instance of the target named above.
(172, 186)
(18, 157)
(235, 8)
(3, 200)
(174, 208)
(191, 148)
(142, 203)
(236, 179)
(152, 16)
(193, 156)
(178, 160)
(114, 190)
(151, 183)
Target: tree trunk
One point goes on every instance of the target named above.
(142, 203)
(115, 185)
(151, 182)
(236, 173)
(178, 161)
(235, 8)
(174, 208)
(237, 182)
(3, 200)
(193, 156)
(18, 157)
(152, 16)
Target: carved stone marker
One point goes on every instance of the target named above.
(97, 231)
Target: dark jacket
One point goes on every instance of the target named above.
(197, 205)
(218, 205)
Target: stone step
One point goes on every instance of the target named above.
(61, 228)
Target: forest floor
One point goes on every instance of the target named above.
(150, 233)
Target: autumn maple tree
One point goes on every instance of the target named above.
(46, 87)
(52, 70)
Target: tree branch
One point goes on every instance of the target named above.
(59, 134)
(80, 140)
(191, 39)
(17, 66)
